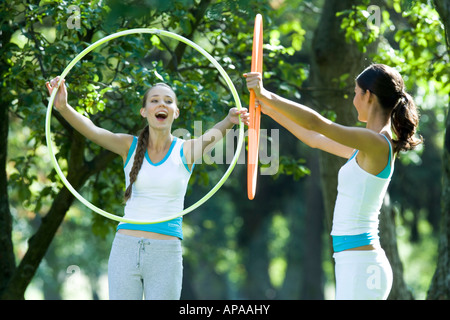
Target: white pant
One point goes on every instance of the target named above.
(140, 266)
(362, 275)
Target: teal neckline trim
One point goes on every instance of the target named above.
(133, 147)
(165, 158)
(183, 159)
(385, 173)
(130, 152)
(387, 170)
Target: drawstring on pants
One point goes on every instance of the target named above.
(141, 247)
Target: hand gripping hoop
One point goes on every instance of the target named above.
(255, 111)
(92, 47)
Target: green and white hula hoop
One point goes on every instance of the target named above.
(92, 47)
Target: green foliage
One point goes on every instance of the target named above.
(292, 167)
(354, 23)
(109, 83)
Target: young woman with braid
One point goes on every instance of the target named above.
(147, 258)
(362, 268)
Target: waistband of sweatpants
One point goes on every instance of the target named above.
(131, 239)
(355, 256)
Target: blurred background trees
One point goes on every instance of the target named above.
(274, 247)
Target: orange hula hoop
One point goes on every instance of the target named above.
(254, 111)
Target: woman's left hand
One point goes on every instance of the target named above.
(234, 113)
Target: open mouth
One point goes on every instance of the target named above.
(161, 115)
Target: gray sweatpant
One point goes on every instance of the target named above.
(140, 266)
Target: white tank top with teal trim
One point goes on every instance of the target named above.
(360, 197)
(159, 190)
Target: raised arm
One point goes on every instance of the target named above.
(117, 143)
(341, 140)
(309, 137)
(194, 148)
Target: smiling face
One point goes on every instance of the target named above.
(160, 107)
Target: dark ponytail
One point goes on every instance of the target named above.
(387, 84)
(405, 119)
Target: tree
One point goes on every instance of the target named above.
(7, 260)
(107, 83)
(440, 286)
(271, 247)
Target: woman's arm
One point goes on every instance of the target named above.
(117, 143)
(363, 139)
(194, 148)
(309, 137)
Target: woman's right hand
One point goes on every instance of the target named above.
(60, 102)
(255, 83)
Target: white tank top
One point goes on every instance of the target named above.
(159, 190)
(359, 200)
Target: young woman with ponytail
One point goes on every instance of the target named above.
(146, 259)
(362, 268)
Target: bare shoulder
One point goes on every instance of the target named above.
(359, 138)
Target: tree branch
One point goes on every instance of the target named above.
(198, 13)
